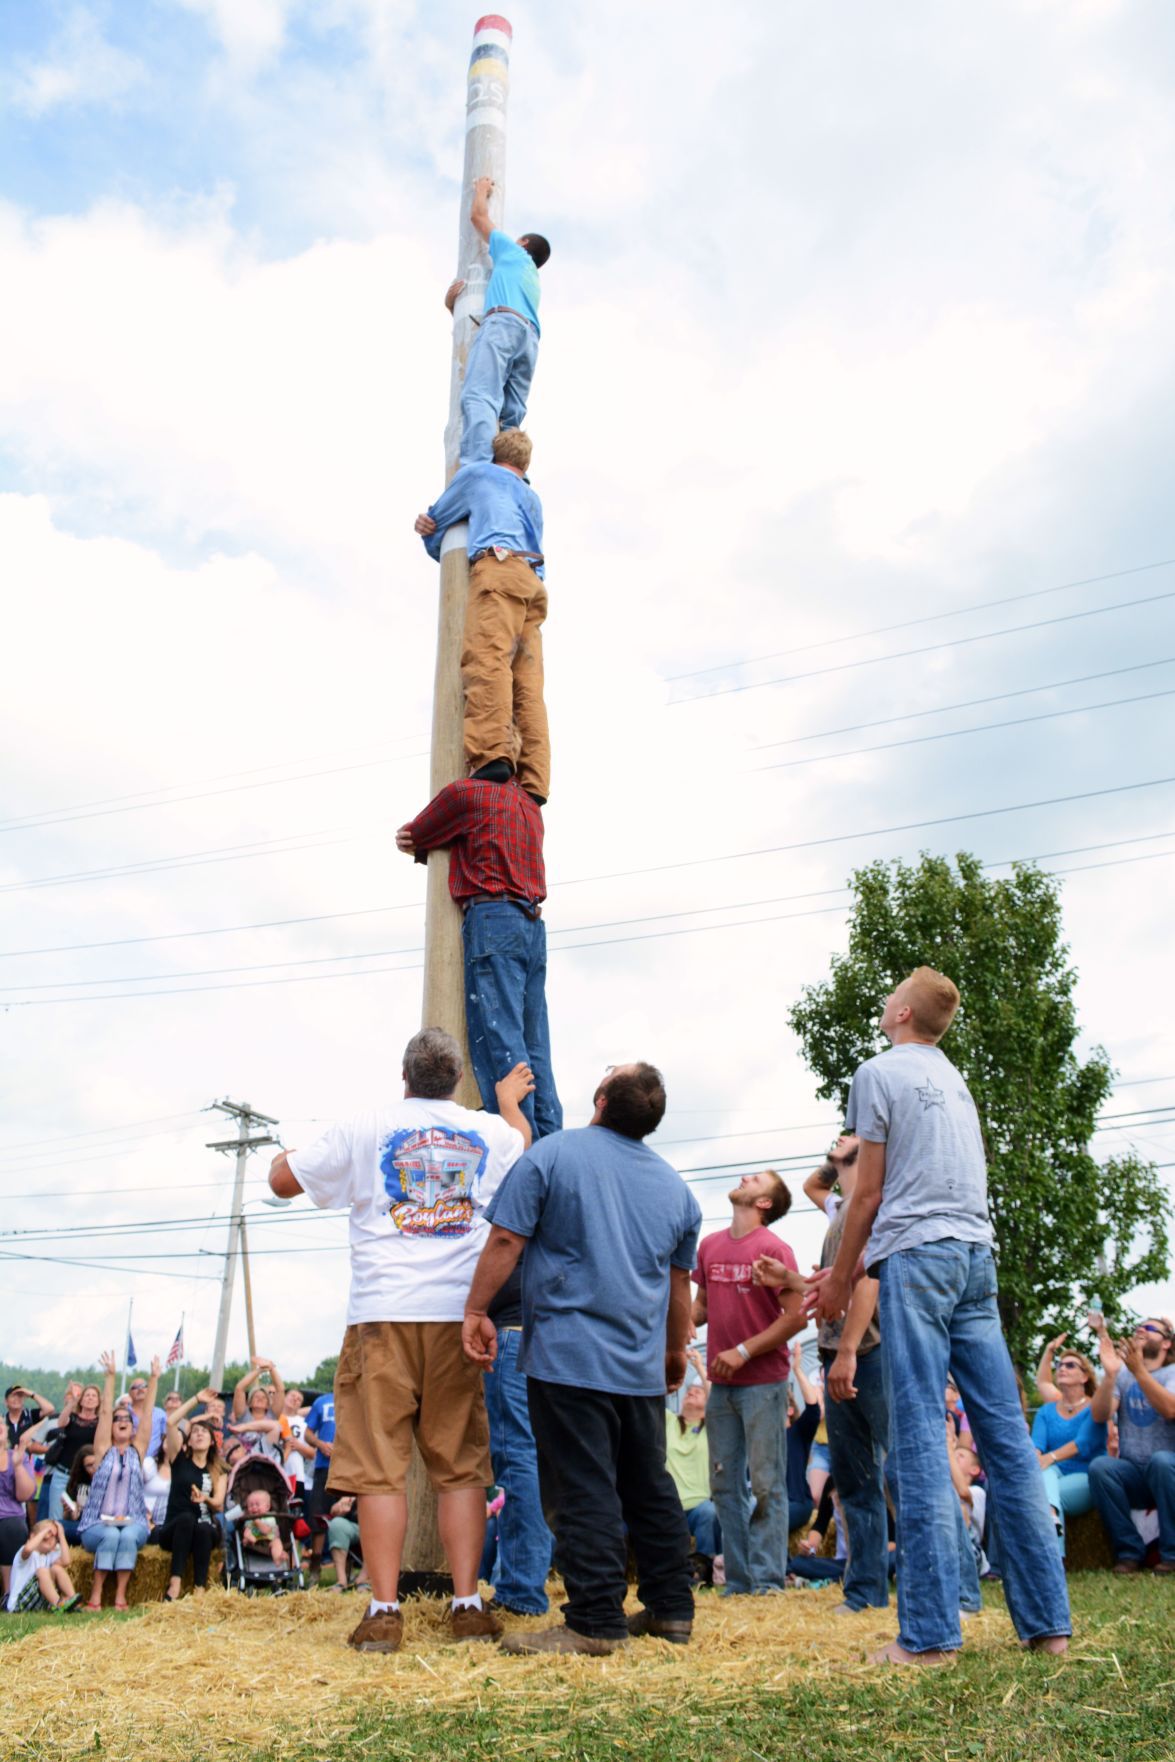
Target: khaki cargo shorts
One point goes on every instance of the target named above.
(400, 1379)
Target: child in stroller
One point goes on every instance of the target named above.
(261, 1549)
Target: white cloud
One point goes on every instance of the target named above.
(250, 32)
(80, 68)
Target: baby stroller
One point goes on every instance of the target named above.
(245, 1569)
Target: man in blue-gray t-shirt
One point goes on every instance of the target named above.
(610, 1231)
(919, 1211)
(501, 360)
(1141, 1372)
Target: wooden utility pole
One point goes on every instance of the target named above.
(487, 89)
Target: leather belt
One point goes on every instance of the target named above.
(531, 909)
(534, 558)
(513, 314)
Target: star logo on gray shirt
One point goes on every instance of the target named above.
(929, 1096)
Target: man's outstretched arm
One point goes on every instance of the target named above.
(862, 1210)
(451, 506)
(499, 1257)
(479, 214)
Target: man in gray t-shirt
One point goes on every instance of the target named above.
(914, 1101)
(919, 1211)
(1141, 1372)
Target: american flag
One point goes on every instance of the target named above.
(176, 1355)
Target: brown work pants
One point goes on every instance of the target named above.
(502, 671)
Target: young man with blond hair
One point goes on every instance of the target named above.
(919, 1211)
(747, 1330)
(506, 730)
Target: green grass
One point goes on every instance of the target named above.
(1112, 1697)
(15, 1627)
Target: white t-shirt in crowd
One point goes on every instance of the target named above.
(296, 1464)
(25, 1567)
(417, 1176)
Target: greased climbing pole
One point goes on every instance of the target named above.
(487, 90)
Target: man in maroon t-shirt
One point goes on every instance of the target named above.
(748, 1327)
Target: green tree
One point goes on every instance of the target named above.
(1067, 1226)
(324, 1376)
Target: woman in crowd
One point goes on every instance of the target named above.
(198, 1483)
(17, 1487)
(77, 1492)
(254, 1420)
(76, 1426)
(116, 1511)
(1066, 1435)
(688, 1461)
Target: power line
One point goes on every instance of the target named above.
(97, 1131)
(561, 948)
(927, 649)
(99, 813)
(8, 954)
(223, 853)
(954, 733)
(970, 703)
(135, 795)
(926, 618)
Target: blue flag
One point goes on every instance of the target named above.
(131, 1360)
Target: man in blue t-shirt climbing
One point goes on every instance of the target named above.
(502, 356)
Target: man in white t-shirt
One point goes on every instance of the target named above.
(417, 1176)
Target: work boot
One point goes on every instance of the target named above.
(474, 1624)
(645, 1622)
(378, 1633)
(560, 1640)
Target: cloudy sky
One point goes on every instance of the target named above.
(856, 322)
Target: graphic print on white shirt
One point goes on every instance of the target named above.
(431, 1176)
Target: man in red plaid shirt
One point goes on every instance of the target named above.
(494, 835)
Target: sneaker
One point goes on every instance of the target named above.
(1126, 1565)
(474, 1624)
(497, 1607)
(379, 1633)
(645, 1622)
(1164, 1566)
(68, 1603)
(560, 1640)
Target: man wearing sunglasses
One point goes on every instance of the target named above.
(1142, 1372)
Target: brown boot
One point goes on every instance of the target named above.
(474, 1624)
(378, 1633)
(645, 1622)
(560, 1640)
(1127, 1565)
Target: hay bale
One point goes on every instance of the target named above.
(1087, 1546)
(148, 1581)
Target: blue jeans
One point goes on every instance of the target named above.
(524, 1541)
(939, 1318)
(1120, 1486)
(53, 1492)
(1070, 1495)
(858, 1438)
(115, 1546)
(705, 1529)
(506, 1006)
(498, 371)
(747, 1432)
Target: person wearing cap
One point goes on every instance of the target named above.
(502, 648)
(1141, 1373)
(502, 356)
(494, 835)
(21, 1418)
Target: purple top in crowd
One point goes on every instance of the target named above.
(10, 1505)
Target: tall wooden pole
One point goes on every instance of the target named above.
(487, 89)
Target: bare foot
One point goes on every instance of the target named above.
(895, 1653)
(1049, 1643)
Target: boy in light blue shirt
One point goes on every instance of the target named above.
(502, 356)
